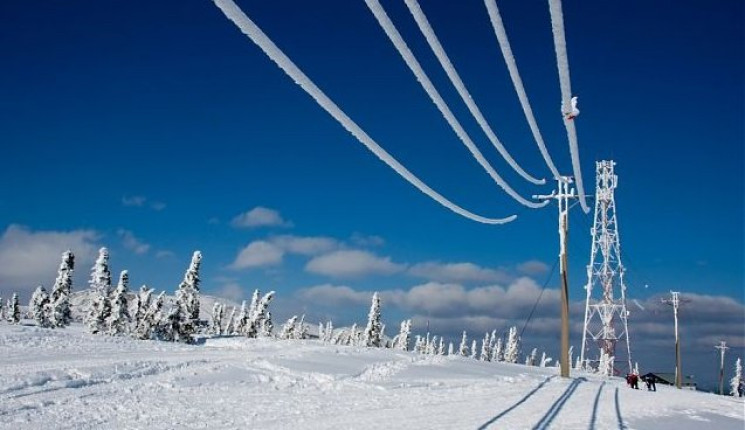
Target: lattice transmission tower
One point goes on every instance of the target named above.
(606, 317)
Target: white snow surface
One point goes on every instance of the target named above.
(67, 378)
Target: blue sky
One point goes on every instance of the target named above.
(151, 127)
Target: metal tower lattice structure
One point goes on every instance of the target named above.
(605, 311)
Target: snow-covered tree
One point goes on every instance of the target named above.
(512, 348)
(301, 329)
(329, 332)
(230, 326)
(531, 360)
(142, 301)
(485, 351)
(736, 379)
(59, 300)
(216, 321)
(402, 340)
(148, 323)
(578, 364)
(605, 366)
(100, 273)
(545, 360)
(372, 334)
(14, 309)
(463, 348)
(99, 308)
(441, 347)
(266, 326)
(260, 319)
(119, 320)
(241, 321)
(288, 329)
(497, 352)
(474, 351)
(187, 300)
(40, 307)
(420, 345)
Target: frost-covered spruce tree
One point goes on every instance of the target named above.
(288, 329)
(578, 364)
(230, 326)
(40, 307)
(498, 351)
(451, 348)
(254, 306)
(545, 360)
(605, 365)
(267, 326)
(14, 310)
(141, 304)
(187, 300)
(2, 309)
(150, 320)
(119, 320)
(463, 348)
(737, 379)
(531, 361)
(485, 351)
(420, 345)
(59, 299)
(216, 322)
(329, 332)
(474, 351)
(99, 307)
(241, 322)
(301, 329)
(441, 347)
(404, 336)
(372, 335)
(261, 316)
(512, 348)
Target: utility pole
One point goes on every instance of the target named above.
(562, 196)
(721, 347)
(674, 301)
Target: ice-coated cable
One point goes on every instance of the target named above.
(244, 23)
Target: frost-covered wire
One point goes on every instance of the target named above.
(562, 62)
(244, 23)
(390, 30)
(434, 44)
(517, 82)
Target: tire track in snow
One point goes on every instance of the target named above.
(519, 402)
(554, 410)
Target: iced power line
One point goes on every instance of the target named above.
(562, 62)
(447, 65)
(517, 82)
(244, 23)
(390, 30)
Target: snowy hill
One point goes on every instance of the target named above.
(67, 378)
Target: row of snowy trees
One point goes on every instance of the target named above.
(254, 320)
(117, 311)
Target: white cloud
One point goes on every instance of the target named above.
(306, 245)
(258, 254)
(136, 201)
(30, 258)
(231, 291)
(457, 272)
(352, 263)
(165, 254)
(157, 206)
(367, 241)
(260, 217)
(132, 243)
(533, 268)
(332, 295)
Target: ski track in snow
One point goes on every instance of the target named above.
(70, 379)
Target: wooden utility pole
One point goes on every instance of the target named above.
(674, 301)
(721, 347)
(562, 196)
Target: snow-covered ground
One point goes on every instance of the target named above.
(70, 379)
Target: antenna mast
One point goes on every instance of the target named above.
(605, 276)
